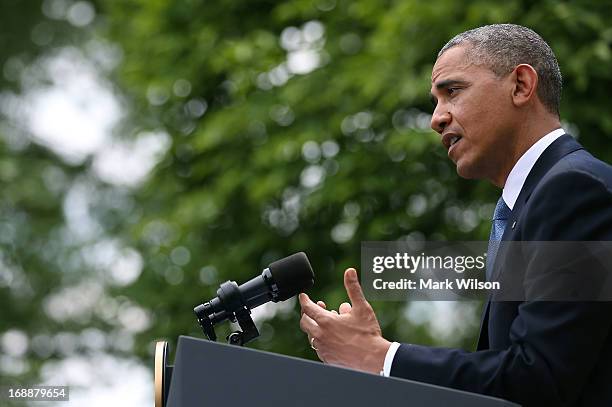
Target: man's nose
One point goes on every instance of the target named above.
(440, 118)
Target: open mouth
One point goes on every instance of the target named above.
(454, 140)
(450, 139)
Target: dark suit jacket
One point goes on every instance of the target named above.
(539, 353)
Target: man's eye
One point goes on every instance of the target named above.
(451, 91)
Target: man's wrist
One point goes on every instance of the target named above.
(373, 360)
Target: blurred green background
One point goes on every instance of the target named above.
(152, 149)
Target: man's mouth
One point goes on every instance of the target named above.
(450, 139)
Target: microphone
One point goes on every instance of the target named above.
(280, 281)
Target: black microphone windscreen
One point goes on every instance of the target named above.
(292, 275)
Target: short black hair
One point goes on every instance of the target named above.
(501, 47)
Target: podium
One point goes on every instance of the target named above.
(208, 373)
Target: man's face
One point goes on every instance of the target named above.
(474, 114)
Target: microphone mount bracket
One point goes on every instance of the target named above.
(235, 310)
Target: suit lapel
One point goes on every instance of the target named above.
(561, 147)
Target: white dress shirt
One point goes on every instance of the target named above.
(522, 168)
(512, 188)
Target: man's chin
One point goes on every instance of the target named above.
(466, 171)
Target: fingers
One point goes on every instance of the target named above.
(353, 288)
(320, 304)
(324, 306)
(309, 327)
(345, 307)
(311, 309)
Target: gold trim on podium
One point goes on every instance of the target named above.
(161, 348)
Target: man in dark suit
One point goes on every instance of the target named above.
(497, 92)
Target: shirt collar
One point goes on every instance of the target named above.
(523, 166)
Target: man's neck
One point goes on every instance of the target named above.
(528, 134)
(523, 167)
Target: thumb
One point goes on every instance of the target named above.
(353, 288)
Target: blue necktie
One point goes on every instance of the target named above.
(500, 217)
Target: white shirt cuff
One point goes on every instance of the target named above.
(389, 359)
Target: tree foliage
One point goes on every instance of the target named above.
(288, 157)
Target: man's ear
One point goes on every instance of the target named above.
(525, 84)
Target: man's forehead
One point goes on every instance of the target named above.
(452, 62)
